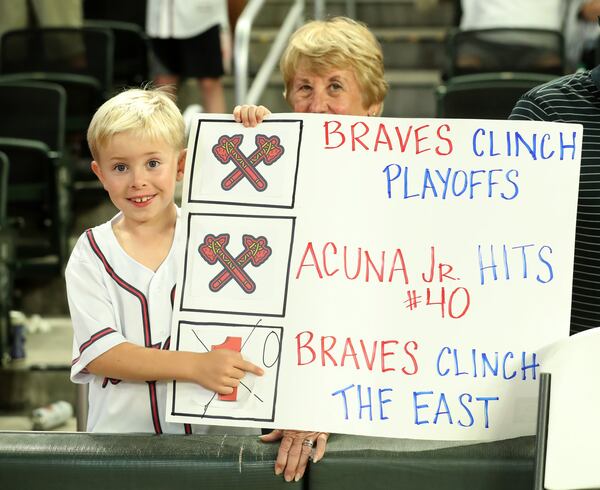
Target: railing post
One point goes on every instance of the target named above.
(319, 9)
(242, 49)
(244, 95)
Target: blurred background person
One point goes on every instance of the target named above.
(186, 42)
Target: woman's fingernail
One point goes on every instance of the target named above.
(297, 477)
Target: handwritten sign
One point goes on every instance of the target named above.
(573, 431)
(393, 277)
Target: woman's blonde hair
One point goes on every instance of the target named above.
(339, 42)
(147, 112)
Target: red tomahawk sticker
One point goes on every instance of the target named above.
(268, 150)
(213, 250)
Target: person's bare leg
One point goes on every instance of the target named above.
(213, 95)
(172, 80)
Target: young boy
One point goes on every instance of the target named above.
(121, 275)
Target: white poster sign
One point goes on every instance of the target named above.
(573, 430)
(393, 277)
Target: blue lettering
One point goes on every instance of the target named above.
(428, 184)
(475, 134)
(438, 361)
(440, 411)
(487, 365)
(506, 356)
(542, 143)
(531, 149)
(524, 257)
(464, 174)
(360, 403)
(485, 400)
(563, 145)
(343, 393)
(445, 181)
(406, 194)
(548, 265)
(389, 178)
(491, 181)
(457, 372)
(462, 403)
(529, 367)
(482, 268)
(492, 154)
(516, 187)
(417, 394)
(382, 402)
(472, 181)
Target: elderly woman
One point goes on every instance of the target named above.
(329, 67)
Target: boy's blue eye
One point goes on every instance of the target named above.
(153, 163)
(120, 167)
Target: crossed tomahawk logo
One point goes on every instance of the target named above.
(213, 250)
(268, 150)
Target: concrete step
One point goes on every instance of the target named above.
(375, 13)
(403, 47)
(24, 423)
(42, 376)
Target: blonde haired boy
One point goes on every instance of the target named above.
(121, 275)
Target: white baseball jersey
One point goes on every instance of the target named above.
(114, 299)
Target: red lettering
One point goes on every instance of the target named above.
(369, 360)
(329, 244)
(403, 142)
(447, 140)
(431, 268)
(349, 352)
(378, 273)
(467, 303)
(421, 138)
(412, 358)
(441, 302)
(357, 265)
(334, 131)
(299, 347)
(382, 131)
(357, 139)
(325, 352)
(398, 256)
(384, 354)
(315, 264)
(446, 273)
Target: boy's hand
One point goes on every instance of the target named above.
(221, 370)
(250, 115)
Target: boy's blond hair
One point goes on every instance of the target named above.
(339, 42)
(148, 113)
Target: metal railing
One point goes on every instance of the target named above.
(243, 28)
(243, 94)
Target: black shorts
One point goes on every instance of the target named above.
(193, 57)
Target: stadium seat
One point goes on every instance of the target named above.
(131, 52)
(485, 96)
(38, 197)
(504, 49)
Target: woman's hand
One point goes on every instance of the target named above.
(250, 115)
(295, 450)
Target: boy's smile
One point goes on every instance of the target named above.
(139, 176)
